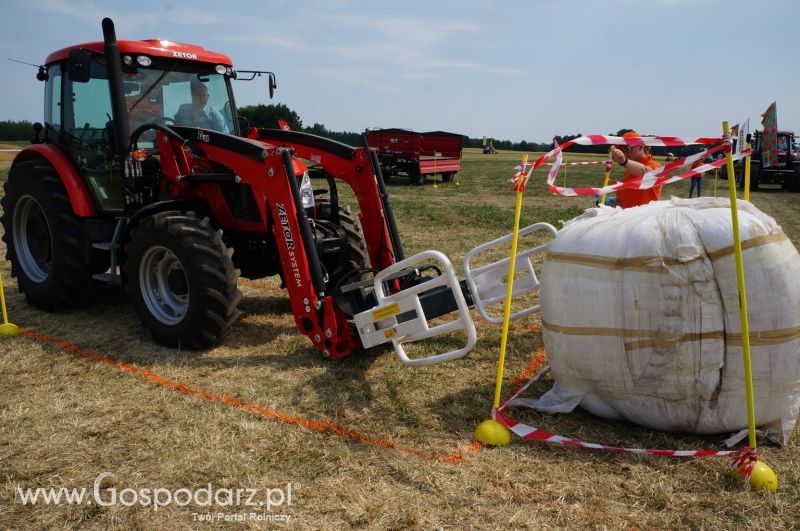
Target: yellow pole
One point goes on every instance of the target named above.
(434, 169)
(747, 176)
(737, 247)
(3, 300)
(512, 264)
(607, 172)
(762, 476)
(716, 175)
(6, 328)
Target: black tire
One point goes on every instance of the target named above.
(416, 177)
(755, 177)
(794, 185)
(351, 263)
(181, 278)
(448, 176)
(44, 239)
(387, 174)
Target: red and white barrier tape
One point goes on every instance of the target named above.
(656, 177)
(581, 163)
(745, 459)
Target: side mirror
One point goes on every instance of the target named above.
(37, 130)
(79, 65)
(272, 85)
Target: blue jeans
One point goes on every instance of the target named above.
(698, 183)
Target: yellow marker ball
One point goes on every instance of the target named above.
(492, 433)
(763, 478)
(8, 329)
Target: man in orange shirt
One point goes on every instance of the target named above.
(637, 161)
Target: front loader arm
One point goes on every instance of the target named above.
(355, 167)
(268, 173)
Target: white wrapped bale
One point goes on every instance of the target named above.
(640, 315)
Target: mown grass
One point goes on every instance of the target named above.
(65, 418)
(6, 157)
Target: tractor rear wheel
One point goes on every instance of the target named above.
(181, 278)
(351, 263)
(44, 239)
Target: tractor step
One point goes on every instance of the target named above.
(113, 247)
(110, 278)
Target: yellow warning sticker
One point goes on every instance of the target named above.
(389, 332)
(388, 311)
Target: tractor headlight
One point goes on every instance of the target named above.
(306, 192)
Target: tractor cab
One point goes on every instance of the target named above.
(162, 82)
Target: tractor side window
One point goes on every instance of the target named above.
(52, 98)
(87, 134)
(92, 106)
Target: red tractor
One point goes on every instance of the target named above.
(175, 207)
(142, 175)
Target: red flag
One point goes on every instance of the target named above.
(283, 125)
(769, 142)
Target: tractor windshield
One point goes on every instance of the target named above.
(179, 93)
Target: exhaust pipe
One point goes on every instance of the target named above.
(122, 130)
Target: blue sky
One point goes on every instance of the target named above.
(511, 70)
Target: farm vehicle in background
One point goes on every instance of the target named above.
(417, 154)
(176, 213)
(786, 172)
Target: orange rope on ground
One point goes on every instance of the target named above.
(315, 425)
(523, 377)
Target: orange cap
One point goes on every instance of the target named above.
(631, 134)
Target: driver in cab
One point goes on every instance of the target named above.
(199, 113)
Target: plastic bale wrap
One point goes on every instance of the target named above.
(640, 314)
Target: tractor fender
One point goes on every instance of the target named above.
(79, 196)
(164, 206)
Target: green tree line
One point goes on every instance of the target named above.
(10, 130)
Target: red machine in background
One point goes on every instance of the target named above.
(417, 154)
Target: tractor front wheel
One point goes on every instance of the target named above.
(44, 239)
(181, 279)
(350, 263)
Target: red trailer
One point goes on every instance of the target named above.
(417, 154)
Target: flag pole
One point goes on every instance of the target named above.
(746, 176)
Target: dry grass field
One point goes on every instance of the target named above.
(365, 442)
